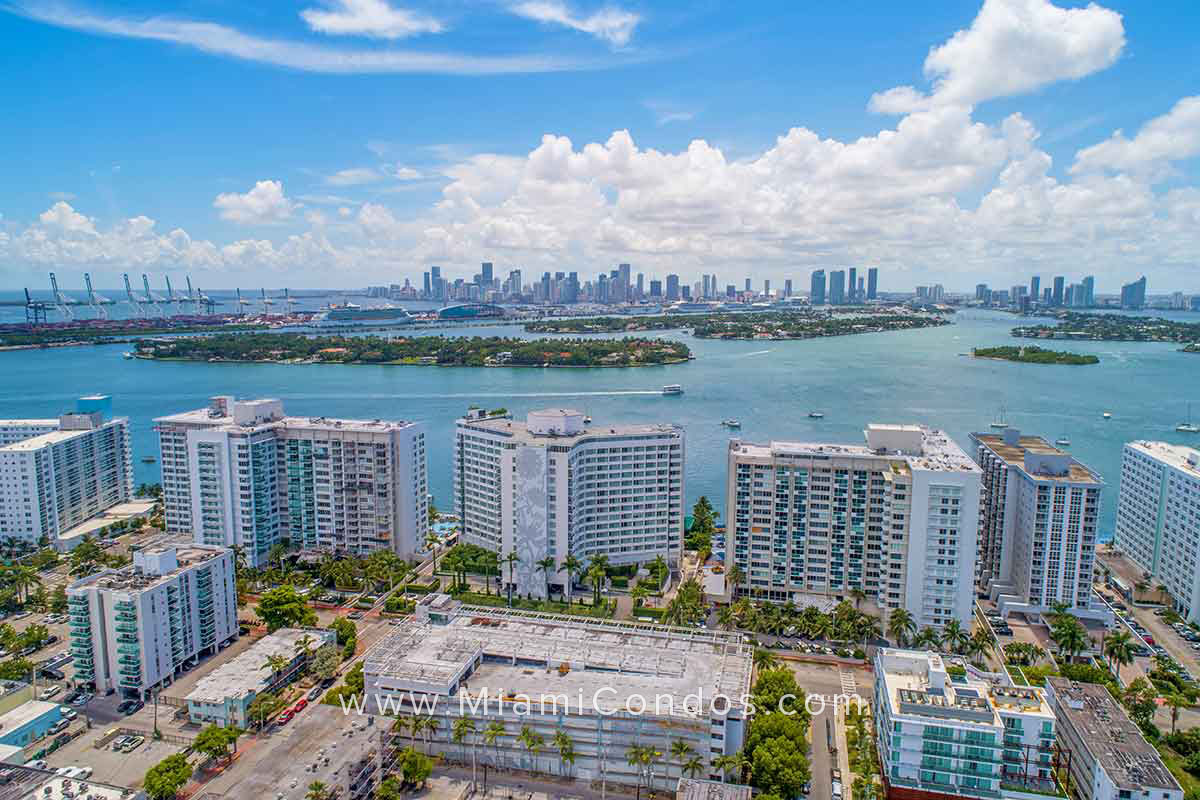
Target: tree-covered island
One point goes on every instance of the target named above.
(747, 325)
(1032, 354)
(1112, 328)
(494, 351)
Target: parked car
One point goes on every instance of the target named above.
(133, 744)
(58, 727)
(49, 691)
(37, 763)
(355, 615)
(285, 717)
(314, 693)
(301, 704)
(53, 674)
(67, 712)
(82, 699)
(130, 706)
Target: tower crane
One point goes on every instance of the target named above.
(60, 300)
(94, 300)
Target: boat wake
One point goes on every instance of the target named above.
(755, 353)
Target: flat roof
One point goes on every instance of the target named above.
(695, 789)
(525, 652)
(1179, 456)
(517, 430)
(1014, 456)
(202, 417)
(131, 578)
(248, 671)
(24, 714)
(938, 451)
(1110, 736)
(29, 423)
(19, 783)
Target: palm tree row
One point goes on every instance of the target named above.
(845, 623)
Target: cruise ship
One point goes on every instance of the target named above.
(337, 316)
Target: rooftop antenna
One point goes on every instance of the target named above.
(94, 300)
(60, 300)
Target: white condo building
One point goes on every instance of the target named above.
(133, 629)
(1037, 525)
(895, 517)
(242, 473)
(554, 485)
(1158, 518)
(58, 473)
(941, 736)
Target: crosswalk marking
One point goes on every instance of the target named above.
(849, 684)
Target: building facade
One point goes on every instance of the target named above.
(554, 485)
(605, 683)
(1109, 757)
(1158, 518)
(56, 474)
(135, 628)
(242, 473)
(941, 737)
(1037, 525)
(895, 518)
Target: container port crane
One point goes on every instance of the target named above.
(95, 300)
(138, 309)
(266, 301)
(60, 300)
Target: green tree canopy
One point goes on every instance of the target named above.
(283, 608)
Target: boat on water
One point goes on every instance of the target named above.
(1107, 415)
(672, 388)
(352, 314)
(1189, 426)
(587, 420)
(1063, 441)
(816, 415)
(1000, 421)
(127, 355)
(731, 423)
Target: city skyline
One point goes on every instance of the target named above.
(539, 146)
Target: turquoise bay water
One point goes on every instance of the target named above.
(914, 376)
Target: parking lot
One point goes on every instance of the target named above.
(108, 765)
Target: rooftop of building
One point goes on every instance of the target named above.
(248, 671)
(1112, 738)
(154, 563)
(19, 783)
(919, 684)
(54, 437)
(1036, 457)
(24, 714)
(541, 428)
(565, 654)
(225, 413)
(29, 423)
(1176, 455)
(695, 789)
(906, 446)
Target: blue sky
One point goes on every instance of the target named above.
(345, 142)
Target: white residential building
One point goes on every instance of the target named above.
(895, 517)
(941, 736)
(1158, 518)
(134, 628)
(1109, 759)
(242, 473)
(606, 683)
(1037, 525)
(57, 474)
(554, 485)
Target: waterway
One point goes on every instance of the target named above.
(911, 376)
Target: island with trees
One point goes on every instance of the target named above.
(1112, 328)
(788, 324)
(1032, 354)
(494, 351)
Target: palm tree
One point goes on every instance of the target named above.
(954, 638)
(725, 764)
(512, 560)
(980, 644)
(572, 566)
(901, 626)
(546, 565)
(692, 765)
(1176, 701)
(431, 725)
(318, 791)
(276, 664)
(462, 727)
(868, 628)
(1070, 637)
(681, 751)
(433, 543)
(305, 645)
(733, 579)
(491, 735)
(641, 758)
(1119, 649)
(764, 659)
(928, 638)
(566, 748)
(596, 574)
(727, 618)
(858, 595)
(533, 742)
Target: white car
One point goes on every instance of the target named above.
(37, 763)
(49, 692)
(78, 773)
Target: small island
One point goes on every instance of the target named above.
(494, 351)
(1032, 354)
(1112, 328)
(777, 325)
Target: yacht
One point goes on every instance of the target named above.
(1001, 421)
(731, 423)
(816, 415)
(587, 420)
(1189, 426)
(1063, 441)
(1107, 415)
(672, 388)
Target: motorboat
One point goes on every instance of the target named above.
(731, 423)
(672, 388)
(816, 415)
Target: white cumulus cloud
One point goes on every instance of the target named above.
(374, 18)
(611, 24)
(263, 204)
(1172, 137)
(1012, 47)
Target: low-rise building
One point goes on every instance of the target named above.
(29, 722)
(943, 736)
(1158, 518)
(605, 684)
(58, 474)
(1109, 757)
(22, 782)
(135, 628)
(696, 789)
(224, 696)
